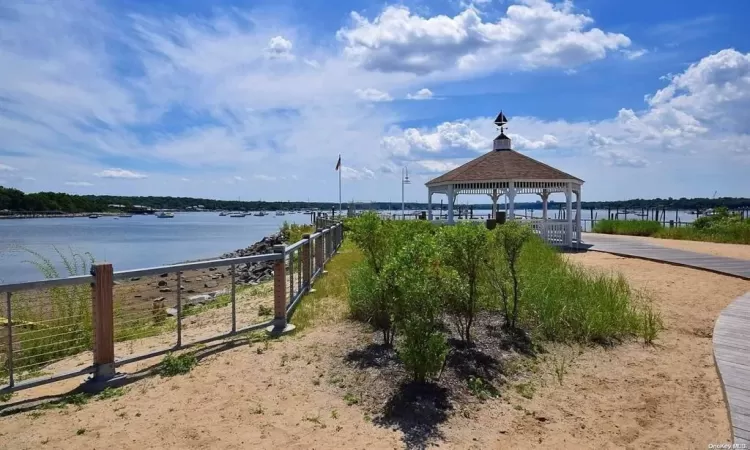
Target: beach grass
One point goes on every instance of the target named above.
(328, 303)
(728, 233)
(627, 227)
(564, 302)
(722, 229)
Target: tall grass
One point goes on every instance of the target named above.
(628, 227)
(328, 303)
(53, 323)
(293, 232)
(723, 229)
(728, 233)
(562, 301)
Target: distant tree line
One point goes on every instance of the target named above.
(15, 200)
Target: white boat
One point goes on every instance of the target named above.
(165, 215)
(223, 213)
(238, 214)
(260, 214)
(93, 216)
(280, 213)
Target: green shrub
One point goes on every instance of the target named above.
(420, 283)
(628, 227)
(177, 365)
(293, 232)
(502, 267)
(464, 249)
(730, 231)
(371, 301)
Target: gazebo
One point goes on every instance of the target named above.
(504, 171)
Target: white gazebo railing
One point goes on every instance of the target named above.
(553, 232)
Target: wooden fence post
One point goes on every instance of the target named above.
(103, 318)
(306, 266)
(279, 324)
(319, 250)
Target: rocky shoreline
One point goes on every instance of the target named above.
(205, 285)
(253, 273)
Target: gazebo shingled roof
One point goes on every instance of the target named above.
(506, 172)
(502, 165)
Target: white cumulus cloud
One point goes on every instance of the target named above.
(534, 33)
(120, 173)
(422, 94)
(279, 48)
(373, 95)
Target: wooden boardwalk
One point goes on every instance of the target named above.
(731, 337)
(624, 246)
(732, 356)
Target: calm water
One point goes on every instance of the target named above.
(130, 243)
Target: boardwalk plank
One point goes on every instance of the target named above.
(632, 247)
(732, 354)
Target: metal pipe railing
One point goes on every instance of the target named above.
(107, 316)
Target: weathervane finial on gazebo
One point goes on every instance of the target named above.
(501, 120)
(501, 142)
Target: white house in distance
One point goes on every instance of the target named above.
(504, 171)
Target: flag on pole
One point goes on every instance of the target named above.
(338, 167)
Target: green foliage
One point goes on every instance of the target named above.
(265, 310)
(293, 232)
(56, 322)
(327, 304)
(652, 325)
(502, 267)
(111, 392)
(628, 227)
(374, 237)
(482, 389)
(5, 397)
(420, 280)
(371, 301)
(464, 248)
(722, 226)
(417, 275)
(562, 301)
(372, 293)
(351, 399)
(177, 365)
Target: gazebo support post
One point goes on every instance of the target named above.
(511, 201)
(569, 214)
(451, 199)
(545, 197)
(429, 204)
(494, 196)
(578, 216)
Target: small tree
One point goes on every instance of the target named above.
(371, 301)
(505, 247)
(464, 249)
(374, 237)
(419, 280)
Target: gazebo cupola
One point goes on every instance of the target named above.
(504, 171)
(502, 142)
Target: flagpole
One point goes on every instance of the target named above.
(340, 188)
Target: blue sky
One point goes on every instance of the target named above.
(256, 99)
